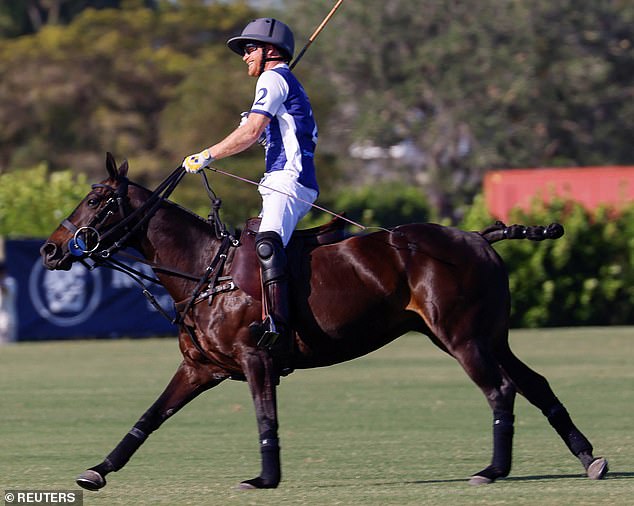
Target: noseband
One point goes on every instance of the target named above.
(87, 239)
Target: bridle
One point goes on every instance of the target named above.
(89, 240)
(98, 242)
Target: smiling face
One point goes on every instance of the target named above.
(253, 55)
(255, 52)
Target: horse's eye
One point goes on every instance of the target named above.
(92, 202)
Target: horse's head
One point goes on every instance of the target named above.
(85, 231)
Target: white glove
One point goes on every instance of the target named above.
(198, 161)
(243, 118)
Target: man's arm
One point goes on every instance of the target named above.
(242, 137)
(237, 141)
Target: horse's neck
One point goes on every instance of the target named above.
(177, 239)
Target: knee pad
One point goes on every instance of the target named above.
(269, 249)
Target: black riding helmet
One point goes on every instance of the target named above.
(266, 31)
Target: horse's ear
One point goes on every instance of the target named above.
(123, 169)
(111, 166)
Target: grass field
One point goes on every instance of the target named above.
(403, 426)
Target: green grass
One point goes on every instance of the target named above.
(403, 426)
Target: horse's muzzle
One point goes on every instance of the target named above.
(54, 258)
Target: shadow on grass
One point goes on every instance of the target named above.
(609, 476)
(540, 477)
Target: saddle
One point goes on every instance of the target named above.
(245, 268)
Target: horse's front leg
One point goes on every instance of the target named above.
(189, 381)
(263, 380)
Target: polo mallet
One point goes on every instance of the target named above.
(316, 33)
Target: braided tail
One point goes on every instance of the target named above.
(499, 232)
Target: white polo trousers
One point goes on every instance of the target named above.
(284, 203)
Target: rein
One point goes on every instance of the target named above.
(311, 204)
(87, 239)
(83, 237)
(148, 209)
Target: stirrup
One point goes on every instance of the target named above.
(270, 334)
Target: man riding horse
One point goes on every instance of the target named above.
(281, 118)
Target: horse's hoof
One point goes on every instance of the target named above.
(598, 469)
(488, 475)
(245, 485)
(256, 483)
(480, 480)
(91, 480)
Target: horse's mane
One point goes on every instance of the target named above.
(187, 211)
(172, 204)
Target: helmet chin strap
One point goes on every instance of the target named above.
(265, 59)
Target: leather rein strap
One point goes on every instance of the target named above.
(133, 221)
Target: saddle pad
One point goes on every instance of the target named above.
(245, 267)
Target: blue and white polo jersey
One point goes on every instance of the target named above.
(291, 136)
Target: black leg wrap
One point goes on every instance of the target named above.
(124, 450)
(271, 474)
(502, 450)
(559, 418)
(270, 450)
(503, 431)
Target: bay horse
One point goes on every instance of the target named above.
(350, 296)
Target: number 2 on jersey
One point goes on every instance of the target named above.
(262, 92)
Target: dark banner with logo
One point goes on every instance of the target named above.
(81, 302)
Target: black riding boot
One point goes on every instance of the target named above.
(277, 337)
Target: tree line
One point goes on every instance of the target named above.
(415, 101)
(423, 94)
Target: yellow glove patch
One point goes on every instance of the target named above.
(198, 161)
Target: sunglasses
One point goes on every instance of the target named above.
(249, 48)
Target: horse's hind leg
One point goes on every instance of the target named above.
(188, 382)
(499, 391)
(501, 403)
(538, 392)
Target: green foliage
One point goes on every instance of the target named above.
(70, 93)
(385, 205)
(584, 278)
(148, 85)
(464, 90)
(506, 84)
(477, 216)
(240, 200)
(24, 17)
(34, 202)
